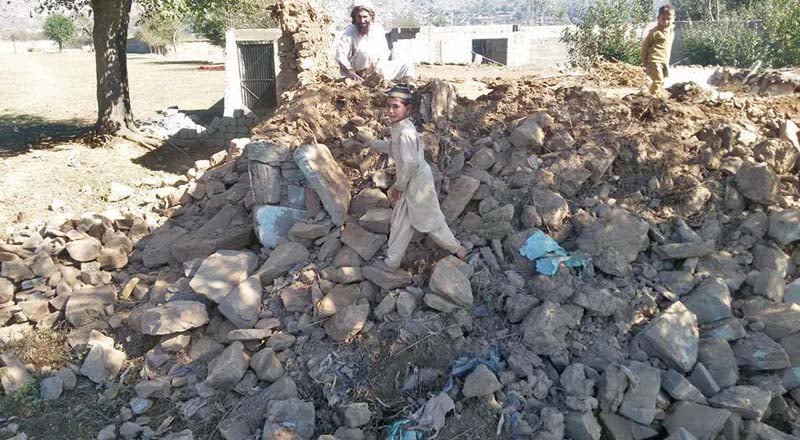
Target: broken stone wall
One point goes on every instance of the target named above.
(304, 48)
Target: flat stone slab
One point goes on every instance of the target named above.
(365, 243)
(220, 272)
(759, 352)
(672, 337)
(703, 421)
(274, 222)
(747, 401)
(326, 178)
(174, 317)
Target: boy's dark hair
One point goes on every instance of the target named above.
(666, 9)
(357, 10)
(401, 92)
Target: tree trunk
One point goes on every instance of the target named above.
(110, 37)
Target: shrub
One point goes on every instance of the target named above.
(728, 43)
(780, 20)
(607, 29)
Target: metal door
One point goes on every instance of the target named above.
(257, 75)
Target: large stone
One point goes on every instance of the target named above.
(620, 428)
(230, 228)
(545, 328)
(436, 302)
(757, 183)
(89, 304)
(220, 272)
(682, 251)
(770, 284)
(551, 207)
(356, 414)
(747, 401)
(679, 388)
(639, 403)
(36, 307)
(788, 131)
(779, 320)
(461, 192)
(376, 220)
(703, 380)
(784, 226)
(50, 388)
(387, 280)
(496, 224)
(13, 375)
(280, 260)
(6, 290)
(365, 243)
(759, 352)
(528, 133)
(582, 426)
(722, 265)
(672, 337)
(227, 369)
(450, 282)
(308, 231)
(338, 299)
(348, 322)
(481, 382)
(342, 275)
(250, 417)
(267, 365)
(615, 241)
(779, 154)
(16, 271)
(704, 422)
(242, 305)
(367, 199)
(717, 356)
(326, 178)
(289, 419)
(103, 361)
(157, 249)
(174, 317)
(274, 222)
(710, 301)
(85, 249)
(42, 265)
(158, 388)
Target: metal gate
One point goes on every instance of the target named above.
(257, 75)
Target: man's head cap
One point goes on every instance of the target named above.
(400, 91)
(366, 4)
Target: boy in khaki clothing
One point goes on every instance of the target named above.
(657, 47)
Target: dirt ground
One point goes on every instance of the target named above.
(51, 94)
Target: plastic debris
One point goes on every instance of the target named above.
(431, 416)
(548, 254)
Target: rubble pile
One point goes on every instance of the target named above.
(766, 83)
(245, 296)
(181, 130)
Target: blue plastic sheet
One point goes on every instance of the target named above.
(397, 431)
(548, 254)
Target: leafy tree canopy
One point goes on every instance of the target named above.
(59, 28)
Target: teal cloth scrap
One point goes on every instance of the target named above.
(548, 254)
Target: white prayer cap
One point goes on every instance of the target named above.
(364, 4)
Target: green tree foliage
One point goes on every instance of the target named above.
(755, 30)
(724, 43)
(59, 28)
(608, 29)
(160, 31)
(212, 22)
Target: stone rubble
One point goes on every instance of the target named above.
(683, 323)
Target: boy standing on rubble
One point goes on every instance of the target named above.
(656, 49)
(416, 206)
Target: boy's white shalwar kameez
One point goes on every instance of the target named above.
(418, 206)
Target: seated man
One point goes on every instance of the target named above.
(362, 50)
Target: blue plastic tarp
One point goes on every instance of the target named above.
(548, 254)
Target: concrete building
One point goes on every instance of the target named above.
(508, 45)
